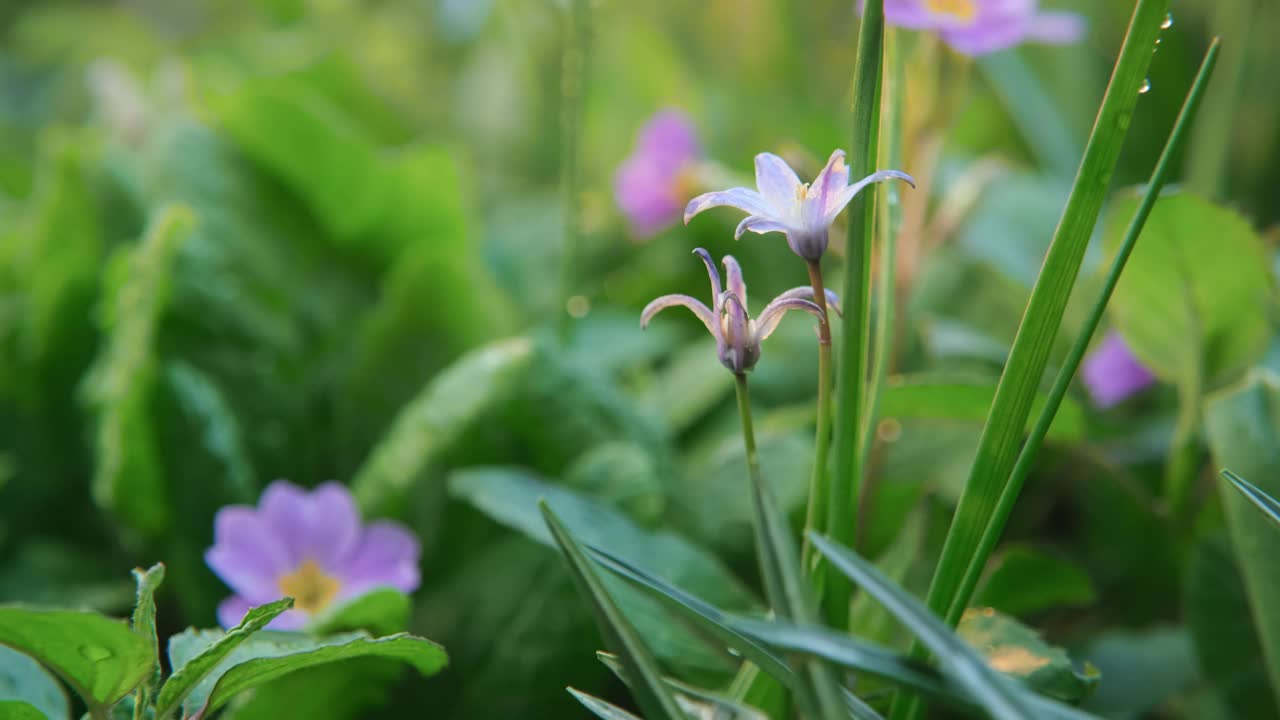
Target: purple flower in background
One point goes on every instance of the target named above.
(978, 27)
(649, 183)
(310, 546)
(781, 203)
(737, 335)
(1111, 372)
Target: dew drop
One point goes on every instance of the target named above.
(1168, 21)
(1145, 87)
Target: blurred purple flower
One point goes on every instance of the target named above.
(1111, 372)
(737, 335)
(310, 546)
(978, 27)
(649, 183)
(781, 203)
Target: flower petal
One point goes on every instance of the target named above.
(838, 201)
(744, 199)
(386, 557)
(1056, 28)
(733, 280)
(1112, 374)
(777, 183)
(759, 224)
(323, 525)
(711, 270)
(773, 312)
(702, 311)
(248, 554)
(822, 194)
(805, 292)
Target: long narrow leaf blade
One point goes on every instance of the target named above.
(1045, 420)
(958, 661)
(650, 692)
(1267, 504)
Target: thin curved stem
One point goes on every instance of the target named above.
(819, 483)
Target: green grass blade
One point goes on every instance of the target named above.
(1002, 436)
(846, 476)
(650, 692)
(600, 708)
(1026, 458)
(997, 694)
(859, 709)
(1267, 504)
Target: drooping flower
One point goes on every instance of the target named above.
(737, 335)
(978, 27)
(1112, 374)
(310, 546)
(650, 185)
(781, 203)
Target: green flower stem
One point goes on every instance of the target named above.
(819, 490)
(572, 83)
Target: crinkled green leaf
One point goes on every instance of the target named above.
(1020, 652)
(102, 659)
(129, 479)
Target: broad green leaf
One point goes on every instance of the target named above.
(23, 680)
(957, 661)
(1224, 632)
(1179, 303)
(1243, 427)
(270, 655)
(121, 388)
(380, 612)
(688, 386)
(1020, 652)
(622, 474)
(100, 658)
(910, 397)
(194, 655)
(510, 496)
(338, 691)
(1264, 502)
(647, 686)
(1023, 581)
(1142, 670)
(20, 710)
(435, 418)
(600, 708)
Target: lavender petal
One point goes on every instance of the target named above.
(759, 224)
(387, 556)
(777, 182)
(773, 312)
(323, 525)
(696, 306)
(1112, 374)
(248, 553)
(744, 199)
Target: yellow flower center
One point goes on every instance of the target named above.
(962, 10)
(310, 588)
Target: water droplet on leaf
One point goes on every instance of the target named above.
(95, 653)
(1168, 21)
(1145, 87)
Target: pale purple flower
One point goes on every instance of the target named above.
(1111, 373)
(978, 27)
(737, 335)
(781, 203)
(650, 184)
(310, 546)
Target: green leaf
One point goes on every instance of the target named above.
(193, 661)
(622, 474)
(19, 710)
(600, 708)
(911, 397)
(694, 701)
(1018, 651)
(1024, 581)
(1264, 502)
(120, 390)
(1243, 427)
(1142, 670)
(434, 419)
(267, 656)
(380, 612)
(957, 661)
(1178, 304)
(1002, 437)
(22, 679)
(647, 686)
(102, 659)
(144, 611)
(343, 690)
(1225, 633)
